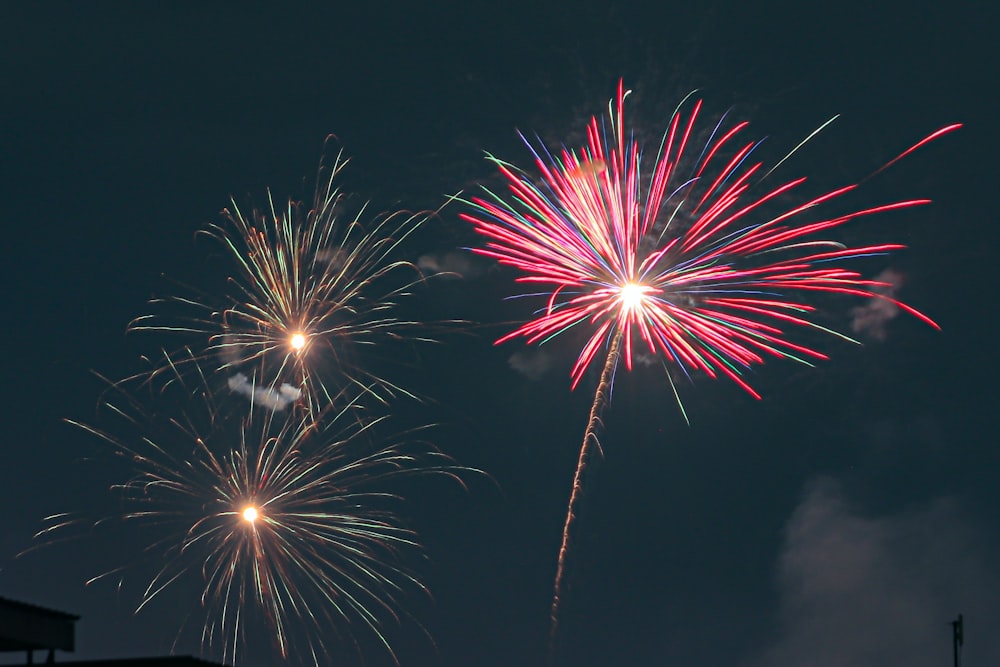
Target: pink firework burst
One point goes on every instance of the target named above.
(690, 255)
(697, 263)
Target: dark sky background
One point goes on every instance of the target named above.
(845, 519)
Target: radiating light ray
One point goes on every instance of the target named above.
(288, 524)
(686, 258)
(308, 291)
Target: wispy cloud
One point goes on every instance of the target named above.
(872, 318)
(268, 397)
(533, 363)
(867, 591)
(453, 263)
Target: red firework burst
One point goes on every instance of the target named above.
(697, 263)
(689, 254)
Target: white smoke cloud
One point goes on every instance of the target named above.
(872, 318)
(335, 257)
(872, 591)
(454, 263)
(273, 399)
(533, 362)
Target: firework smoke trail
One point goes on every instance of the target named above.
(285, 521)
(306, 291)
(686, 255)
(590, 439)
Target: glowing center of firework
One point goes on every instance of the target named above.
(250, 514)
(632, 295)
(297, 341)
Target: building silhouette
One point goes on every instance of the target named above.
(27, 628)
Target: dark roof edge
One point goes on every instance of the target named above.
(33, 607)
(148, 661)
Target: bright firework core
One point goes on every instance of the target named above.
(297, 341)
(632, 295)
(250, 514)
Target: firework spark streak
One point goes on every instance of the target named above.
(285, 523)
(688, 256)
(307, 289)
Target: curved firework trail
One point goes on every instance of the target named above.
(286, 523)
(685, 254)
(306, 290)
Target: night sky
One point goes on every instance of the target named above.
(844, 519)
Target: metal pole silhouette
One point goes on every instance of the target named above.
(957, 639)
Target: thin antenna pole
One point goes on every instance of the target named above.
(957, 639)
